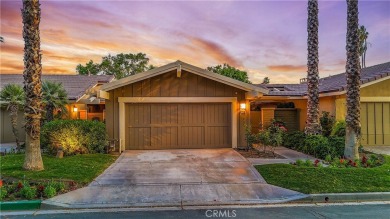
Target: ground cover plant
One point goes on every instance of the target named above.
(59, 175)
(370, 174)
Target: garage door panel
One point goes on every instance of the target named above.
(192, 113)
(164, 137)
(192, 136)
(164, 114)
(218, 136)
(138, 137)
(182, 125)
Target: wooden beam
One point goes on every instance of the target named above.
(179, 71)
(103, 94)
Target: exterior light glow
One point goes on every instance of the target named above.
(75, 109)
(242, 107)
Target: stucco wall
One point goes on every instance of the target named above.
(6, 135)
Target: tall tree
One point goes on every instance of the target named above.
(313, 126)
(230, 72)
(120, 65)
(12, 97)
(363, 44)
(31, 15)
(352, 69)
(54, 98)
(90, 68)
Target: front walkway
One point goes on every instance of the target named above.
(378, 149)
(290, 155)
(176, 178)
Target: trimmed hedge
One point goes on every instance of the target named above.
(74, 136)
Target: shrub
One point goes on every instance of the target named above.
(59, 186)
(28, 192)
(337, 144)
(74, 136)
(339, 129)
(317, 145)
(3, 193)
(49, 191)
(294, 140)
(327, 121)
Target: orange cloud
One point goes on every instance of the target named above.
(287, 68)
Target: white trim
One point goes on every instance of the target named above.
(122, 133)
(123, 100)
(374, 99)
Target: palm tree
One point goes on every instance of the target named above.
(353, 128)
(313, 126)
(12, 97)
(363, 44)
(54, 97)
(31, 15)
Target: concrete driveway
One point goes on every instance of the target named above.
(176, 178)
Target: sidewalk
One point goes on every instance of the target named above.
(290, 155)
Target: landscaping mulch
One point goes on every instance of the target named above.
(259, 153)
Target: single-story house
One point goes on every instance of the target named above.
(82, 97)
(289, 103)
(179, 105)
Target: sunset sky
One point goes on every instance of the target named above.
(265, 38)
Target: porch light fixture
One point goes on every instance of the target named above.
(242, 107)
(75, 109)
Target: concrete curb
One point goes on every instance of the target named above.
(345, 197)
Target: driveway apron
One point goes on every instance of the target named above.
(184, 177)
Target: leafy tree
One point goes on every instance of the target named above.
(230, 72)
(266, 80)
(313, 126)
(31, 16)
(353, 128)
(120, 65)
(12, 97)
(90, 68)
(54, 97)
(363, 44)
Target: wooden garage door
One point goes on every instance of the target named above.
(174, 126)
(375, 120)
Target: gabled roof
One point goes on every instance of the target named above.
(75, 85)
(334, 83)
(186, 67)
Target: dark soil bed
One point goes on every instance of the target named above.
(255, 153)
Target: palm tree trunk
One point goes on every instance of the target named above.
(312, 119)
(31, 14)
(49, 113)
(353, 129)
(13, 113)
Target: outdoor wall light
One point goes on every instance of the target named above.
(242, 107)
(75, 109)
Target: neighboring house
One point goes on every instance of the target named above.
(375, 103)
(81, 90)
(178, 106)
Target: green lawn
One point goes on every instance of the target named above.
(313, 180)
(80, 168)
